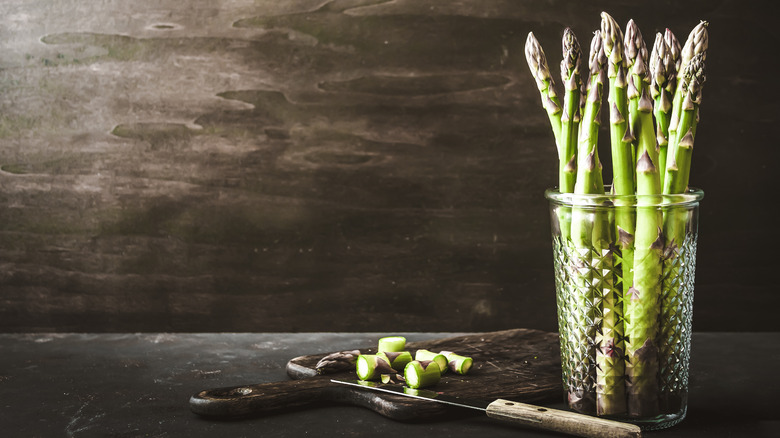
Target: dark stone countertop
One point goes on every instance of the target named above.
(133, 385)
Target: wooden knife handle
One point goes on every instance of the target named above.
(251, 400)
(560, 421)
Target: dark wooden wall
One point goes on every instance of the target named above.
(336, 165)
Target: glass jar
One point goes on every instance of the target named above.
(624, 275)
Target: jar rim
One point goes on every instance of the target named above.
(690, 197)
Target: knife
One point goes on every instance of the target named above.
(523, 414)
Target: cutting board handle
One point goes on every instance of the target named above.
(560, 421)
(258, 399)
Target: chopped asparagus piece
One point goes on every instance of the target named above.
(391, 344)
(422, 373)
(440, 359)
(396, 359)
(393, 378)
(457, 363)
(372, 366)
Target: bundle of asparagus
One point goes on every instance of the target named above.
(622, 264)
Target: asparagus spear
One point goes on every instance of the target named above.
(673, 344)
(664, 59)
(663, 80)
(630, 53)
(338, 361)
(642, 306)
(622, 160)
(537, 62)
(582, 391)
(570, 75)
(678, 170)
(589, 177)
(697, 43)
(623, 166)
(595, 244)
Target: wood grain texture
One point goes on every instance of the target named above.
(343, 165)
(518, 364)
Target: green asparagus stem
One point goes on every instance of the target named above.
(570, 75)
(642, 306)
(582, 393)
(675, 227)
(622, 160)
(592, 239)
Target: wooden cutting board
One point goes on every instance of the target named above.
(519, 364)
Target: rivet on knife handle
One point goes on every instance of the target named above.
(560, 421)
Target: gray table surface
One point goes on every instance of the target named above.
(138, 385)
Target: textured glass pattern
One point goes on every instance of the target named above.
(605, 372)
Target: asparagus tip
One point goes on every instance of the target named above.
(570, 64)
(635, 50)
(613, 39)
(597, 58)
(674, 48)
(697, 42)
(629, 41)
(537, 61)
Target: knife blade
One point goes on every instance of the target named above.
(537, 417)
